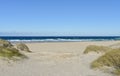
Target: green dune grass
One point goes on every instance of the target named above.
(97, 49)
(10, 53)
(109, 59)
(7, 50)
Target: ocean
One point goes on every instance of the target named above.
(58, 38)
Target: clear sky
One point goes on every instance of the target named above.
(60, 17)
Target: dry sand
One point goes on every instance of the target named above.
(55, 59)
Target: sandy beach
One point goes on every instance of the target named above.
(59, 38)
(56, 59)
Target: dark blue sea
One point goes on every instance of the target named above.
(58, 38)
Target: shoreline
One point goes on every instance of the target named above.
(62, 41)
(39, 39)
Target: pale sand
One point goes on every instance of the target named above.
(55, 59)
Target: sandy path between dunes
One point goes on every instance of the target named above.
(55, 59)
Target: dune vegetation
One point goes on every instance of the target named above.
(114, 46)
(97, 49)
(8, 51)
(110, 59)
(5, 43)
(23, 47)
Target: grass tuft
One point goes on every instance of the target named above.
(5, 43)
(97, 49)
(115, 46)
(10, 53)
(110, 59)
(23, 47)
(117, 72)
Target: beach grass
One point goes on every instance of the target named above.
(5, 43)
(10, 53)
(114, 46)
(109, 59)
(23, 47)
(97, 49)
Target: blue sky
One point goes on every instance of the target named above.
(60, 17)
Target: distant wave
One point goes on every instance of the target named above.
(58, 39)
